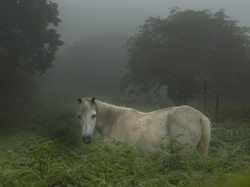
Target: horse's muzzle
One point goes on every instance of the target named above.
(86, 139)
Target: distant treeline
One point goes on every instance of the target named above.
(96, 63)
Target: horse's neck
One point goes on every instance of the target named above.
(106, 116)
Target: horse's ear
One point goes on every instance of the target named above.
(79, 100)
(93, 100)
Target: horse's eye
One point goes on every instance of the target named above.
(93, 115)
(79, 116)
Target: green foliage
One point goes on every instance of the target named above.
(36, 161)
(235, 114)
(233, 127)
(18, 87)
(240, 180)
(186, 49)
(46, 150)
(28, 42)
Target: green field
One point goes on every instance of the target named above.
(40, 145)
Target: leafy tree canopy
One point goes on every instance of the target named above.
(28, 42)
(186, 49)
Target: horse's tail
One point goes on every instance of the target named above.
(205, 135)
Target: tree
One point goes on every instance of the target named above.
(187, 49)
(28, 41)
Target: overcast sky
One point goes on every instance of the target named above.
(236, 9)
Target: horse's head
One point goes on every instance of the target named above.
(87, 116)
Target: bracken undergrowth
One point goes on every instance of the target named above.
(48, 152)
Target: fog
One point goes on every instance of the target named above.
(193, 60)
(90, 57)
(83, 18)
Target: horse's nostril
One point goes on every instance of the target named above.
(86, 139)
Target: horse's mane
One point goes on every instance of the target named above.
(102, 107)
(110, 114)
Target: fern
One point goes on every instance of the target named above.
(44, 158)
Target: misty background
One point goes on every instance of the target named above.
(100, 47)
(93, 58)
(82, 18)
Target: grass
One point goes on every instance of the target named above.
(42, 147)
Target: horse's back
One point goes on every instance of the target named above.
(183, 122)
(150, 129)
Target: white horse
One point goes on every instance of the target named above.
(146, 129)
